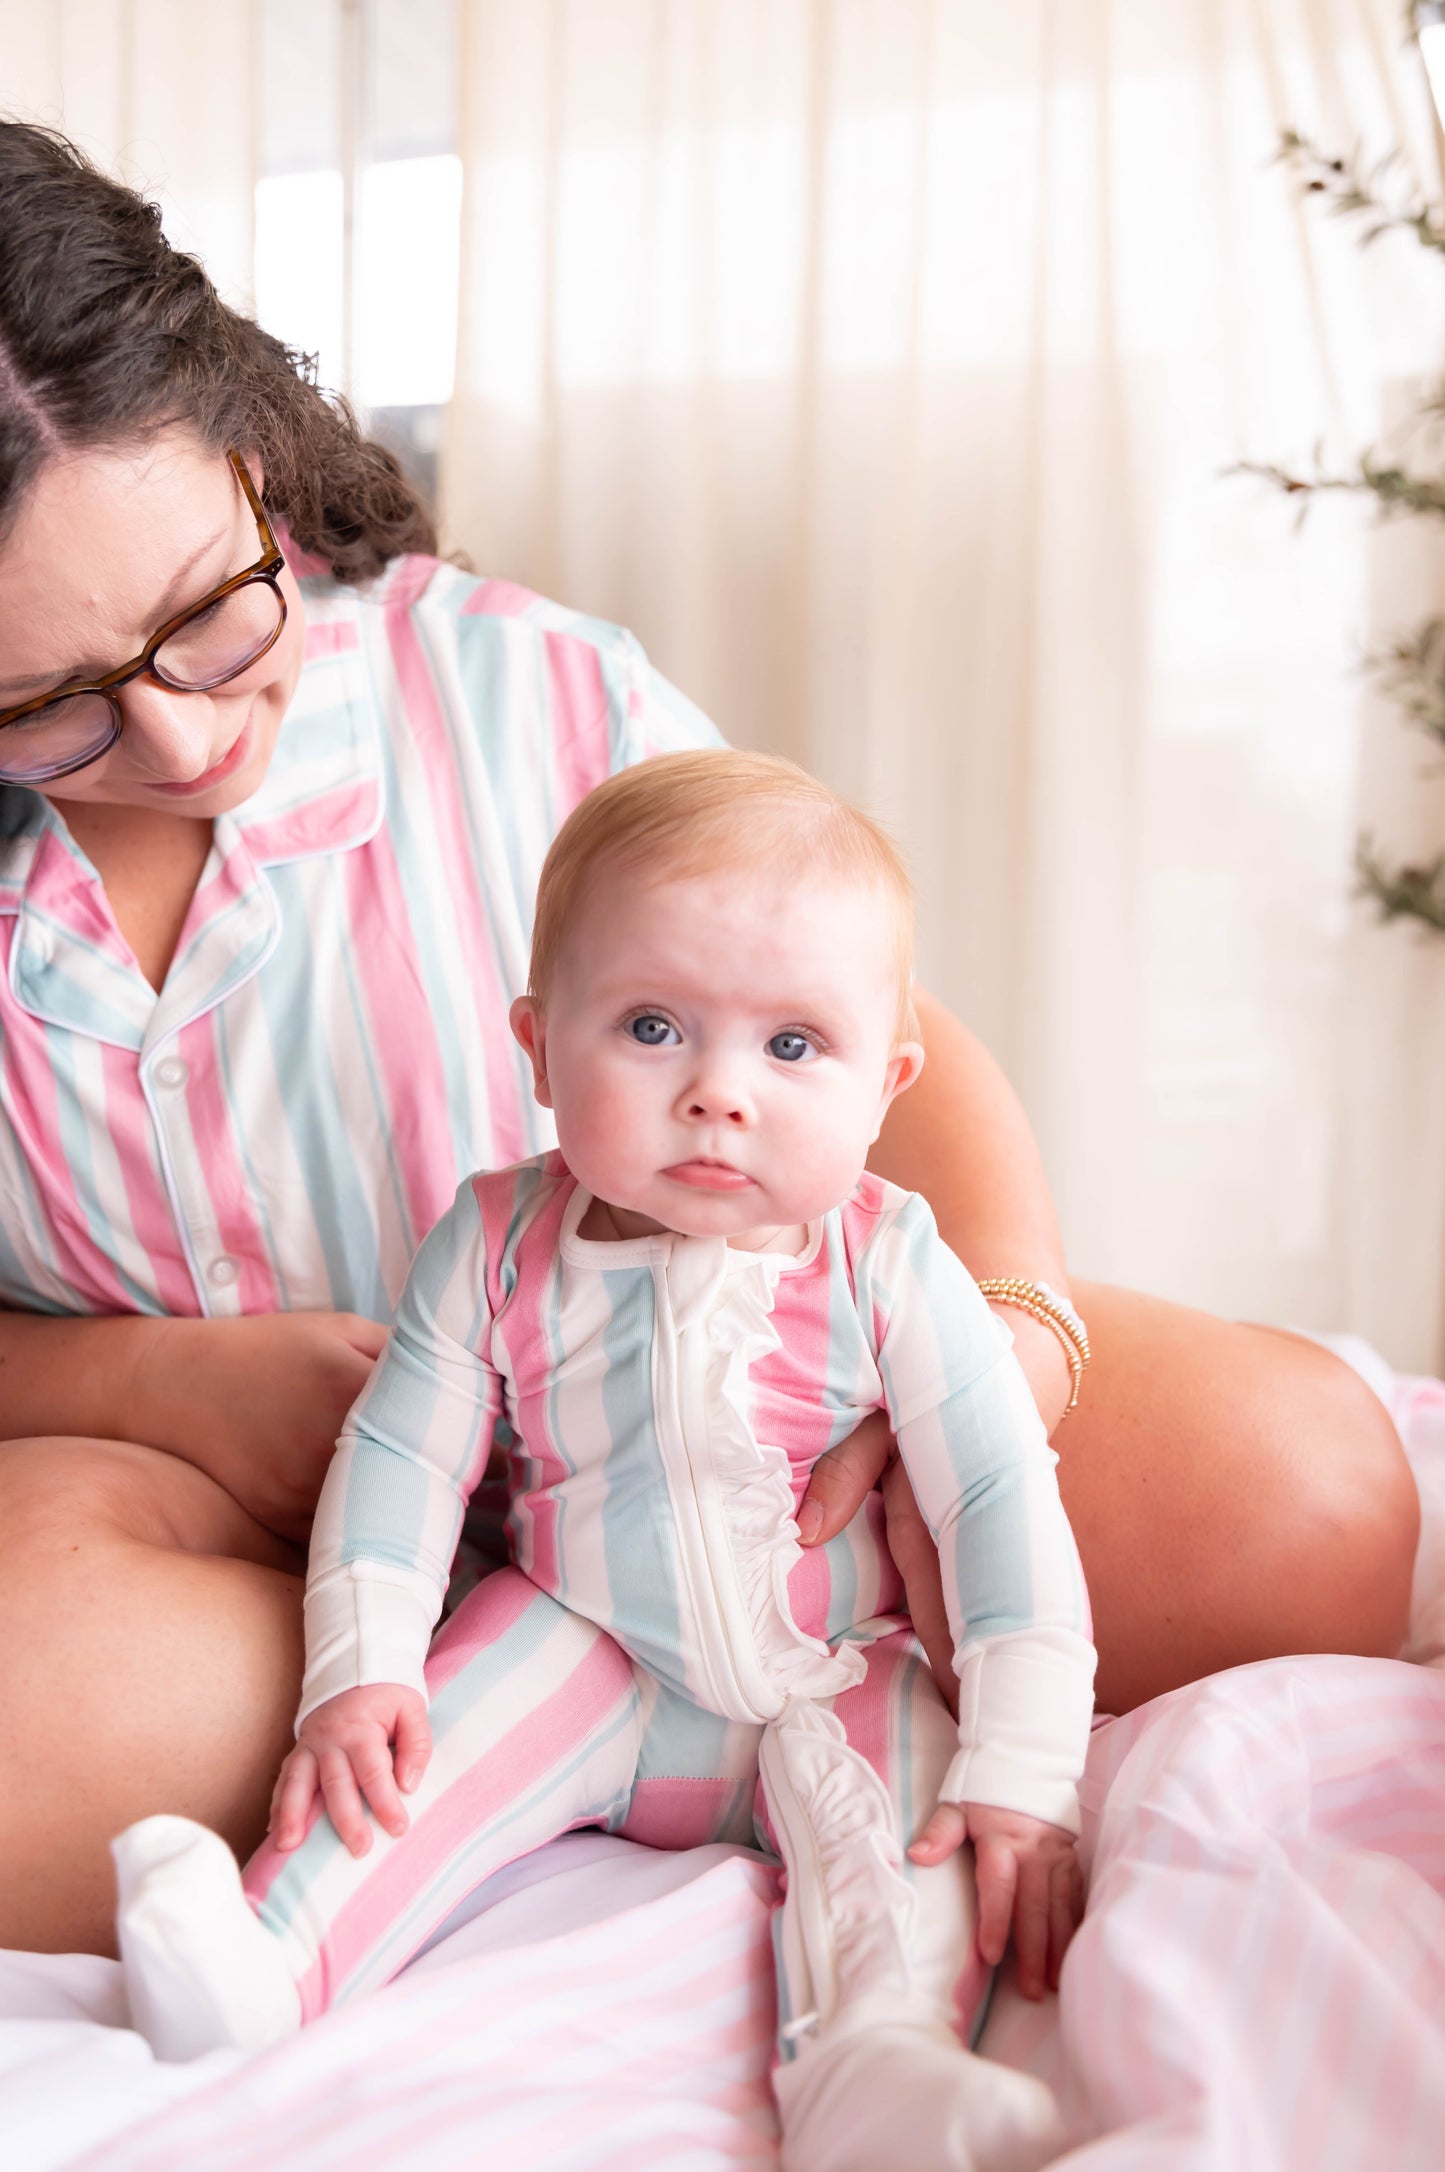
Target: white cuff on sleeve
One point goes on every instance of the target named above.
(1025, 1705)
(366, 1622)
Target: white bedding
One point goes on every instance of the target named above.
(1259, 1981)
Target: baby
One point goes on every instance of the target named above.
(674, 1315)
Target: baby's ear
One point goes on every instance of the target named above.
(529, 1024)
(904, 1066)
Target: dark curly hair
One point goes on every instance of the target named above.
(108, 335)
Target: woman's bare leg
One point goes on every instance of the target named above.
(1237, 1493)
(152, 1640)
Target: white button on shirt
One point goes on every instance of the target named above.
(329, 1055)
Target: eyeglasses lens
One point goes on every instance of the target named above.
(218, 645)
(205, 652)
(56, 738)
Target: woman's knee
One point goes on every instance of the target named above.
(56, 1492)
(1359, 1504)
(1237, 1492)
(60, 1494)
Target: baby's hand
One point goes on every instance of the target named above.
(344, 1749)
(1028, 1873)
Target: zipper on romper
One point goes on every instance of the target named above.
(735, 1681)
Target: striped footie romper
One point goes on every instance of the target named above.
(664, 1659)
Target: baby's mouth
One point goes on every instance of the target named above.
(703, 1174)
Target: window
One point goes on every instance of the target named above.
(358, 206)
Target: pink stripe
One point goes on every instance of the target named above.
(867, 1714)
(321, 825)
(30, 1091)
(524, 1332)
(231, 1196)
(969, 1993)
(675, 1812)
(402, 1030)
(151, 1217)
(331, 637)
(810, 1590)
(498, 599)
(304, 564)
(76, 899)
(785, 1407)
(552, 1734)
(430, 737)
(484, 1616)
(579, 707)
(409, 2075)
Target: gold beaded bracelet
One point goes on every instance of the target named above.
(1045, 1305)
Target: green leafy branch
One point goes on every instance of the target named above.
(1411, 670)
(1351, 193)
(1402, 892)
(1395, 489)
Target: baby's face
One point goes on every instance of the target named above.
(719, 1052)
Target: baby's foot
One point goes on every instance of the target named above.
(201, 1971)
(896, 2094)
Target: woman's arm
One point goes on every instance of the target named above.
(67, 1376)
(960, 1137)
(256, 1403)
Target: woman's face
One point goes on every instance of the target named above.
(109, 545)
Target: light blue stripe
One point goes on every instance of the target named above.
(343, 1214)
(14, 1270)
(483, 664)
(637, 1525)
(390, 1490)
(220, 1040)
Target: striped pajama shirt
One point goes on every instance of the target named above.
(663, 1644)
(278, 1128)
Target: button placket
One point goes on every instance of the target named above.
(214, 1271)
(240, 933)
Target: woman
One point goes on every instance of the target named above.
(265, 880)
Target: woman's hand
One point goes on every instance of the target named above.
(256, 1403)
(1028, 1876)
(841, 1482)
(371, 1742)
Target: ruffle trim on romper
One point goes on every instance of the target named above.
(755, 1489)
(851, 1909)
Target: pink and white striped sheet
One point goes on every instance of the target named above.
(1259, 1985)
(641, 2041)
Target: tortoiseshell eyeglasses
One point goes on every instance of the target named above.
(201, 648)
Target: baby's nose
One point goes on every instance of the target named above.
(715, 1098)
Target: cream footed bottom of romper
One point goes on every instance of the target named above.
(873, 2077)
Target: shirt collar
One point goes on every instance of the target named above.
(322, 794)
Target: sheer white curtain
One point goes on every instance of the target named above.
(159, 91)
(878, 361)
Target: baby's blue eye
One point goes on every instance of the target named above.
(652, 1030)
(790, 1047)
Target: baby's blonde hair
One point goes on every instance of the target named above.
(682, 815)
